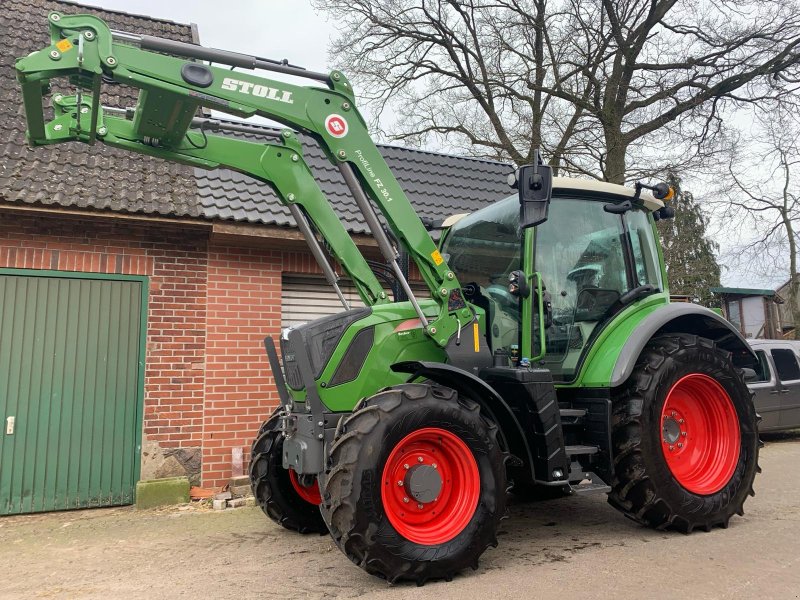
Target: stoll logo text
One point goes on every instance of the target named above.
(261, 91)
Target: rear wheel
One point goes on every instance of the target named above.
(685, 437)
(290, 500)
(416, 484)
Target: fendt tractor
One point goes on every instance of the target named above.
(546, 355)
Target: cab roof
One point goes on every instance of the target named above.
(561, 184)
(603, 187)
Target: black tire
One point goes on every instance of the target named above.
(644, 487)
(272, 487)
(351, 493)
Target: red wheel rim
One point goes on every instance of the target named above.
(438, 512)
(309, 493)
(700, 434)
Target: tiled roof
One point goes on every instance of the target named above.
(438, 185)
(76, 175)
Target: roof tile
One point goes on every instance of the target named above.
(106, 178)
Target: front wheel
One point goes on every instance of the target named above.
(286, 498)
(416, 484)
(684, 435)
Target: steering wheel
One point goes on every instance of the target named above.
(501, 295)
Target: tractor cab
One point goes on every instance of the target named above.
(595, 254)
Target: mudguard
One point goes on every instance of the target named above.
(491, 403)
(681, 317)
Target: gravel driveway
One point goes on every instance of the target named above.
(572, 547)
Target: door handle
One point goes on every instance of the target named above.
(784, 391)
(773, 392)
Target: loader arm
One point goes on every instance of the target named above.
(171, 91)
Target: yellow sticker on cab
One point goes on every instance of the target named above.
(63, 45)
(437, 258)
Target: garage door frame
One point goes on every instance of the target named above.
(145, 289)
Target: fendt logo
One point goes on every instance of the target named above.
(336, 126)
(260, 91)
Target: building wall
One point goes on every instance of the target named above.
(208, 385)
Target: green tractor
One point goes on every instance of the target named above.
(546, 355)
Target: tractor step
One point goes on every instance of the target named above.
(572, 416)
(580, 450)
(573, 413)
(592, 484)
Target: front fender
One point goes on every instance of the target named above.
(492, 404)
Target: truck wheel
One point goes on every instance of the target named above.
(416, 484)
(279, 492)
(684, 435)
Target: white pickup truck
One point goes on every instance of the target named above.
(777, 384)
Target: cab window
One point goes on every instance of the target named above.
(643, 243)
(482, 249)
(579, 252)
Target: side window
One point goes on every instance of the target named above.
(643, 243)
(786, 364)
(762, 369)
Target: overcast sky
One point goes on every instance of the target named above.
(278, 29)
(290, 29)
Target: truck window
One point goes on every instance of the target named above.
(786, 364)
(762, 369)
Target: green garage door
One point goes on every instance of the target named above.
(71, 374)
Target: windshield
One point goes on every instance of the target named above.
(482, 249)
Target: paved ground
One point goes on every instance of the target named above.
(574, 547)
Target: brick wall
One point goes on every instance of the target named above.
(207, 381)
(175, 260)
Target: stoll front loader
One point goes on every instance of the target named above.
(545, 355)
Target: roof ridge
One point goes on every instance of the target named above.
(122, 12)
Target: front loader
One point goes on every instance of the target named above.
(545, 355)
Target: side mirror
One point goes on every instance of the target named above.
(535, 184)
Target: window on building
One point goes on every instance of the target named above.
(786, 364)
(735, 313)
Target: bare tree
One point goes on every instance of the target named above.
(760, 203)
(592, 82)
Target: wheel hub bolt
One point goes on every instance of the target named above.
(419, 506)
(680, 421)
(405, 500)
(406, 467)
(683, 433)
(434, 465)
(671, 448)
(680, 445)
(400, 483)
(419, 459)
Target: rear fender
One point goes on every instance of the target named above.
(681, 317)
(492, 404)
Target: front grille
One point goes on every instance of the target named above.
(320, 338)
